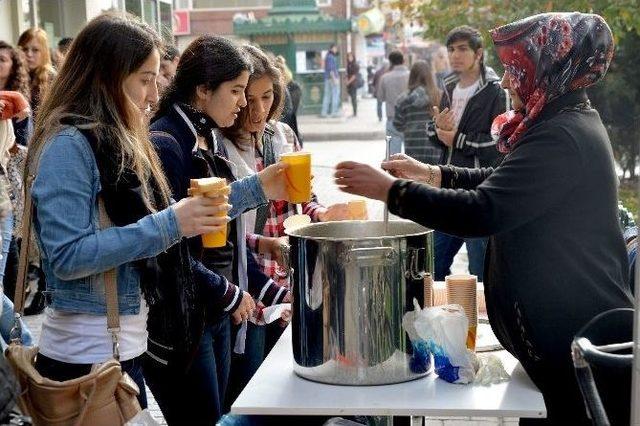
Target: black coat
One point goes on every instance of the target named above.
(181, 164)
(556, 256)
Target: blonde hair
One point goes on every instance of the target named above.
(286, 71)
(89, 91)
(43, 74)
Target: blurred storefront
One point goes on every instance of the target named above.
(298, 31)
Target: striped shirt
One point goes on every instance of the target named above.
(413, 111)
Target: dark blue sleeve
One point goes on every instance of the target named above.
(220, 295)
(23, 130)
(173, 163)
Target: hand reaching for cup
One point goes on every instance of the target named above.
(274, 181)
(405, 167)
(335, 212)
(364, 180)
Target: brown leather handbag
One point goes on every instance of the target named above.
(104, 397)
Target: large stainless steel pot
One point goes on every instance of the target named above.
(352, 283)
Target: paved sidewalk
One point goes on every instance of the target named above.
(365, 126)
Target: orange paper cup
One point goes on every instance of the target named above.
(212, 187)
(298, 176)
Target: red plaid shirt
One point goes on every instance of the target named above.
(278, 212)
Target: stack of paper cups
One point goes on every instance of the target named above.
(428, 291)
(461, 290)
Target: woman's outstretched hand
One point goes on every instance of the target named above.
(362, 179)
(405, 167)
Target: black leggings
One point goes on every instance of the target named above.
(353, 93)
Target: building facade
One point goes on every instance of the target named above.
(65, 18)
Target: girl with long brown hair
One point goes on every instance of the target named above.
(35, 45)
(253, 143)
(91, 156)
(413, 111)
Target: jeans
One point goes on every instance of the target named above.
(7, 231)
(61, 371)
(6, 324)
(195, 396)
(447, 246)
(331, 98)
(397, 138)
(244, 366)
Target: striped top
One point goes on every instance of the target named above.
(413, 111)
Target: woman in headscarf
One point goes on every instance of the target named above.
(556, 256)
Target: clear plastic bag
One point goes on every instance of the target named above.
(443, 331)
(491, 371)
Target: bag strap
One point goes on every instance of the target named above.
(110, 276)
(110, 288)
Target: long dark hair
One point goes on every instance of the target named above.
(90, 91)
(18, 80)
(263, 65)
(209, 60)
(421, 75)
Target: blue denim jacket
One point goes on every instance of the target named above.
(75, 251)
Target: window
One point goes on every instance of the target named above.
(51, 20)
(134, 7)
(166, 20)
(151, 13)
(183, 4)
(323, 3)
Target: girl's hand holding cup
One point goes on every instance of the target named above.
(201, 215)
(216, 189)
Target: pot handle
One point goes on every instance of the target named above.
(286, 252)
(372, 255)
(413, 272)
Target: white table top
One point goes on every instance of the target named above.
(276, 390)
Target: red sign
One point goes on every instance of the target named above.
(181, 22)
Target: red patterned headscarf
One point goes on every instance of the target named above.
(546, 56)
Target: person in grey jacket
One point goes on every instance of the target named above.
(392, 85)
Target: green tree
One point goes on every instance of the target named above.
(617, 98)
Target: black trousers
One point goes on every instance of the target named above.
(353, 94)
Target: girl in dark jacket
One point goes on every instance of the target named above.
(556, 257)
(206, 93)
